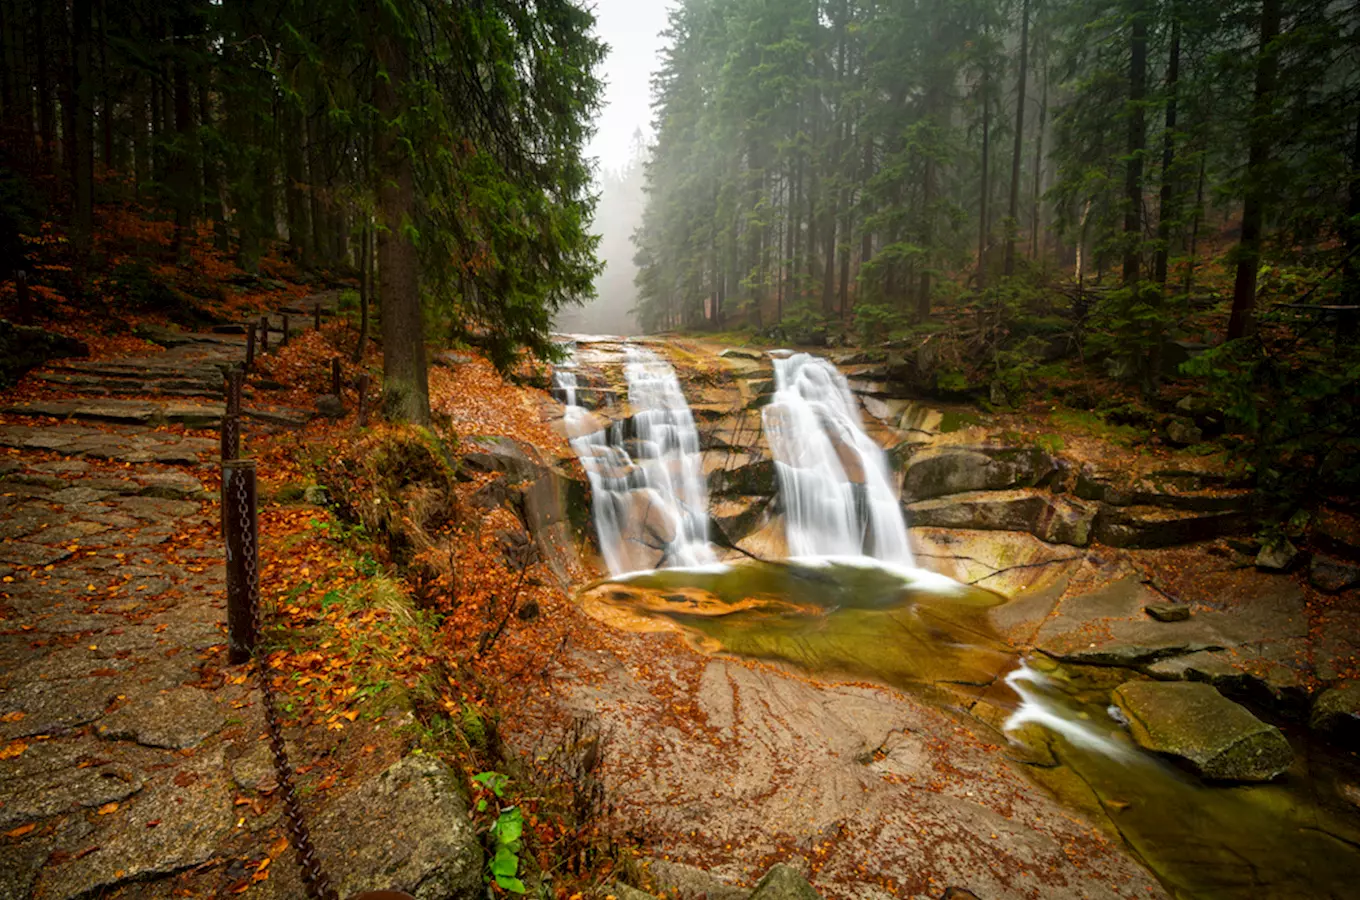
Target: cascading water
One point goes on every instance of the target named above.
(833, 479)
(646, 475)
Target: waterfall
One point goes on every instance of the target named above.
(833, 478)
(646, 474)
(1039, 706)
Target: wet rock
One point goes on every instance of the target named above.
(956, 470)
(1151, 526)
(1194, 722)
(690, 883)
(1049, 518)
(736, 517)
(1210, 666)
(317, 495)
(176, 720)
(170, 485)
(254, 769)
(624, 892)
(25, 553)
(497, 454)
(1332, 575)
(192, 813)
(1183, 433)
(1168, 612)
(1337, 710)
(59, 776)
(784, 882)
(1278, 556)
(958, 893)
(406, 829)
(330, 406)
(754, 479)
(735, 353)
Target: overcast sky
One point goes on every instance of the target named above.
(632, 29)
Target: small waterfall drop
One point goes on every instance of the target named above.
(646, 474)
(833, 479)
(1038, 707)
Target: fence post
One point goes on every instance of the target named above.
(316, 311)
(250, 346)
(22, 298)
(241, 530)
(335, 375)
(361, 385)
(283, 342)
(264, 334)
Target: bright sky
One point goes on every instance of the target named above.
(632, 29)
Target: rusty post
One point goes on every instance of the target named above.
(250, 347)
(283, 342)
(264, 334)
(236, 380)
(241, 530)
(361, 385)
(335, 375)
(316, 311)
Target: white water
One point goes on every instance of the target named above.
(650, 498)
(1038, 708)
(833, 479)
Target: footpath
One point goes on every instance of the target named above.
(132, 759)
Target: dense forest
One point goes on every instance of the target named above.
(841, 159)
(1146, 209)
(432, 150)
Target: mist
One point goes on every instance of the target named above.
(633, 30)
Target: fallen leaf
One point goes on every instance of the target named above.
(13, 749)
(20, 831)
(107, 808)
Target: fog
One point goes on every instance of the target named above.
(632, 29)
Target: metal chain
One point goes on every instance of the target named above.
(314, 877)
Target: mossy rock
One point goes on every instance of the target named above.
(1193, 722)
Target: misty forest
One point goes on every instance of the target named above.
(742, 449)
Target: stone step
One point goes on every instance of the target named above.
(143, 412)
(1049, 517)
(1158, 526)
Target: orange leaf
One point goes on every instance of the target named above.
(13, 749)
(107, 808)
(21, 830)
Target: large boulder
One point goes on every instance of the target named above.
(1193, 722)
(937, 472)
(1337, 710)
(1155, 526)
(406, 829)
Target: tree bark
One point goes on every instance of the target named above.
(82, 162)
(406, 392)
(1166, 207)
(1133, 171)
(1242, 321)
(984, 225)
(1013, 215)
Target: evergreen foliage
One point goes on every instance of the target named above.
(452, 130)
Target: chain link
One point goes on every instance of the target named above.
(314, 878)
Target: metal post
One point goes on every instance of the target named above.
(241, 530)
(236, 379)
(284, 341)
(335, 375)
(250, 347)
(316, 311)
(264, 334)
(361, 385)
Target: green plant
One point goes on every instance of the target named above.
(504, 835)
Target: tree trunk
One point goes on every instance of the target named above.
(1350, 283)
(365, 287)
(1166, 208)
(295, 203)
(105, 80)
(47, 117)
(82, 165)
(1133, 172)
(1253, 210)
(984, 225)
(182, 170)
(1013, 216)
(406, 391)
(1035, 229)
